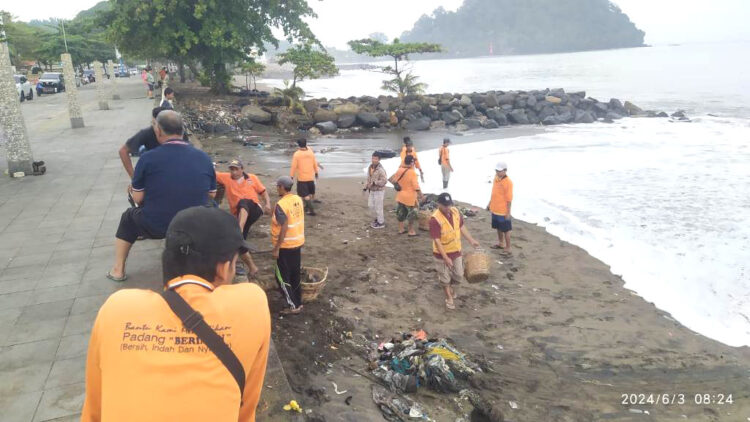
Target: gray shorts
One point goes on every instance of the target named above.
(448, 276)
(446, 173)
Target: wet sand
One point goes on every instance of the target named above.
(555, 330)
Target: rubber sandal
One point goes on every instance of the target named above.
(117, 279)
(450, 305)
(403, 232)
(413, 235)
(496, 247)
(288, 311)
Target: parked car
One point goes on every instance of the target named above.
(24, 88)
(89, 73)
(52, 82)
(133, 71)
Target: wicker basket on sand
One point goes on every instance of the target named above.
(424, 220)
(312, 282)
(476, 266)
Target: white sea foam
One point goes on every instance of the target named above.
(666, 205)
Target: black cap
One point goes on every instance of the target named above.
(205, 230)
(445, 199)
(446, 140)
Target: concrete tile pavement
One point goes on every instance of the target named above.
(56, 245)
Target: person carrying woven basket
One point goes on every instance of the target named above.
(446, 229)
(288, 237)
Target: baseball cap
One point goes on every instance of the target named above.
(446, 140)
(500, 166)
(236, 163)
(285, 181)
(205, 231)
(445, 199)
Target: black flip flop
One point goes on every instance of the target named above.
(117, 279)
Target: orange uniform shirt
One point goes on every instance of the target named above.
(413, 154)
(142, 365)
(502, 193)
(409, 186)
(240, 189)
(304, 166)
(445, 156)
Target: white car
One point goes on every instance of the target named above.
(24, 88)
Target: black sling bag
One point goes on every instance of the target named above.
(193, 321)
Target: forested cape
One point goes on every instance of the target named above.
(484, 27)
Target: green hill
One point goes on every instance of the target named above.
(527, 27)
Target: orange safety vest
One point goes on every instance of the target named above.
(450, 236)
(444, 156)
(292, 206)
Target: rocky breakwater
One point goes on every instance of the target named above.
(457, 112)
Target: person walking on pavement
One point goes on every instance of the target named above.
(500, 202)
(407, 197)
(446, 229)
(409, 150)
(445, 162)
(305, 168)
(150, 81)
(376, 181)
(165, 350)
(288, 237)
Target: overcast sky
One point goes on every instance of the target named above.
(665, 21)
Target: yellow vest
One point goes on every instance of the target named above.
(450, 236)
(291, 204)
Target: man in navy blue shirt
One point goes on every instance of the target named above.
(166, 180)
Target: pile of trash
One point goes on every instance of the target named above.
(413, 361)
(430, 204)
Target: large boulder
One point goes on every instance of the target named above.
(553, 99)
(346, 108)
(518, 116)
(437, 124)
(470, 110)
(256, 114)
(584, 117)
(367, 119)
(632, 109)
(465, 100)
(323, 115)
(272, 101)
(547, 112)
(566, 117)
(473, 123)
(613, 116)
(326, 128)
(600, 109)
(384, 105)
(551, 120)
(491, 100)
(579, 94)
(532, 116)
(311, 106)
(508, 98)
(501, 119)
(420, 123)
(557, 92)
(451, 117)
(346, 121)
(490, 124)
(615, 104)
(413, 107)
(531, 101)
(494, 113)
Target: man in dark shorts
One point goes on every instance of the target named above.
(500, 202)
(166, 180)
(305, 168)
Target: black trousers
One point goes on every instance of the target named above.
(254, 211)
(288, 268)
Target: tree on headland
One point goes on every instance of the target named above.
(214, 33)
(403, 82)
(308, 62)
(252, 69)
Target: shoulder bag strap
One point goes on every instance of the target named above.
(193, 321)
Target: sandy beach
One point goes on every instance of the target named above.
(557, 335)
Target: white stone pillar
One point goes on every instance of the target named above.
(12, 125)
(71, 91)
(100, 92)
(113, 86)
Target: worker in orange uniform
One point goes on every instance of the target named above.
(305, 168)
(288, 237)
(409, 150)
(243, 191)
(500, 202)
(166, 356)
(445, 162)
(446, 229)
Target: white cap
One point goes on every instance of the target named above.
(500, 166)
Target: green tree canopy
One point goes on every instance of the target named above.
(403, 82)
(214, 33)
(308, 62)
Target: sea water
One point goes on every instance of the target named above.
(665, 204)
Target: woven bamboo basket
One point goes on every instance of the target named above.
(311, 289)
(424, 220)
(477, 266)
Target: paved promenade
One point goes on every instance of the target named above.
(56, 245)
